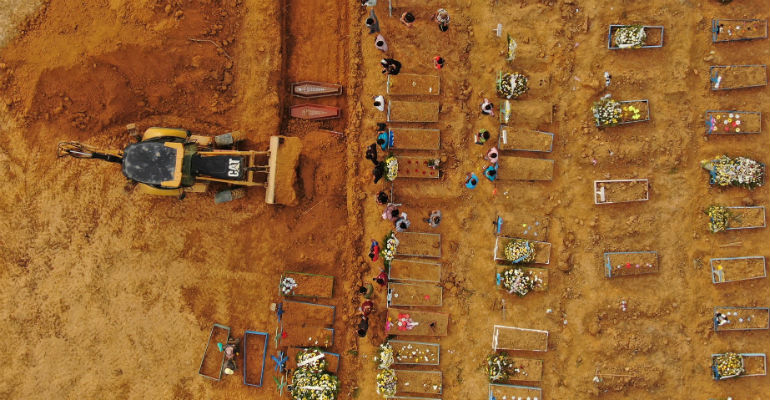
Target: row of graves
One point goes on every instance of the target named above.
(743, 172)
(723, 170)
(408, 362)
(522, 114)
(522, 252)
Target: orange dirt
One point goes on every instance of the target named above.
(111, 294)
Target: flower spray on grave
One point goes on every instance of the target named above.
(384, 357)
(630, 37)
(498, 367)
(517, 281)
(287, 286)
(729, 365)
(520, 251)
(391, 168)
(607, 112)
(739, 171)
(389, 252)
(719, 218)
(386, 382)
(311, 381)
(511, 85)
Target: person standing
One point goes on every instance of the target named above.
(390, 66)
(442, 19)
(487, 108)
(379, 42)
(379, 103)
(471, 180)
(438, 62)
(434, 218)
(372, 23)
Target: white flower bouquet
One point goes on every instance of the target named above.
(313, 359)
(288, 285)
(391, 168)
(517, 281)
(385, 356)
(520, 251)
(306, 385)
(389, 252)
(511, 85)
(607, 112)
(738, 171)
(386, 382)
(498, 367)
(630, 37)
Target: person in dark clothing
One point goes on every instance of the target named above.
(374, 250)
(381, 279)
(379, 171)
(390, 66)
(363, 326)
(382, 198)
(372, 22)
(407, 19)
(371, 153)
(491, 172)
(366, 308)
(438, 62)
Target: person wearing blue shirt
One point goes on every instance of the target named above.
(471, 180)
(491, 172)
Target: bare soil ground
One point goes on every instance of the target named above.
(109, 294)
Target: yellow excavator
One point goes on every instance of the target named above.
(172, 162)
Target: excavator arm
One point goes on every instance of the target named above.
(80, 150)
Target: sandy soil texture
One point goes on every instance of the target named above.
(111, 294)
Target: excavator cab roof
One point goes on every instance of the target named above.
(155, 163)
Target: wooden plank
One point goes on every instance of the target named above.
(628, 263)
(414, 294)
(416, 139)
(524, 169)
(416, 167)
(254, 355)
(501, 391)
(312, 336)
(419, 244)
(621, 191)
(726, 77)
(742, 318)
(413, 111)
(733, 122)
(530, 370)
(416, 271)
(310, 285)
(413, 84)
(732, 30)
(522, 339)
(516, 139)
(303, 314)
(734, 269)
(213, 360)
(423, 382)
(439, 321)
(751, 217)
(415, 353)
(524, 225)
